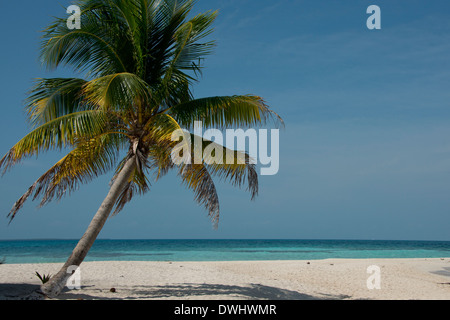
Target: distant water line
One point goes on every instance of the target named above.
(49, 251)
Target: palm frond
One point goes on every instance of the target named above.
(84, 49)
(138, 181)
(236, 167)
(87, 161)
(104, 45)
(184, 54)
(56, 134)
(159, 159)
(197, 178)
(189, 52)
(138, 184)
(224, 112)
(160, 128)
(117, 92)
(52, 98)
(167, 16)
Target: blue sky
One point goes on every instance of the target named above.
(366, 149)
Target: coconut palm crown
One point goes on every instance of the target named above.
(140, 59)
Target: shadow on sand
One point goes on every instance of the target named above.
(19, 291)
(23, 291)
(250, 292)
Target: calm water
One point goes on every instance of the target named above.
(42, 251)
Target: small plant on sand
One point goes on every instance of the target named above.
(43, 278)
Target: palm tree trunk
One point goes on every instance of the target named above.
(56, 284)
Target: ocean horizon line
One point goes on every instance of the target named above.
(53, 250)
(221, 239)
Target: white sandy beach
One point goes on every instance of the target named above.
(343, 279)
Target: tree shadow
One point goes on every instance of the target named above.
(444, 272)
(197, 291)
(24, 291)
(20, 291)
(251, 291)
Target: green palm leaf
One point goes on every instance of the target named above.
(223, 112)
(118, 92)
(56, 134)
(93, 48)
(52, 98)
(197, 178)
(236, 167)
(88, 160)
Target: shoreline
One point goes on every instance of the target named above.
(329, 279)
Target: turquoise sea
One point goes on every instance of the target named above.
(43, 251)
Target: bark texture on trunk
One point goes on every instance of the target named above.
(56, 284)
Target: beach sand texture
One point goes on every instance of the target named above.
(342, 279)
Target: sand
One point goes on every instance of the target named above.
(342, 279)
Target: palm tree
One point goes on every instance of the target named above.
(141, 58)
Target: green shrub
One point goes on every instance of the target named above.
(43, 278)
